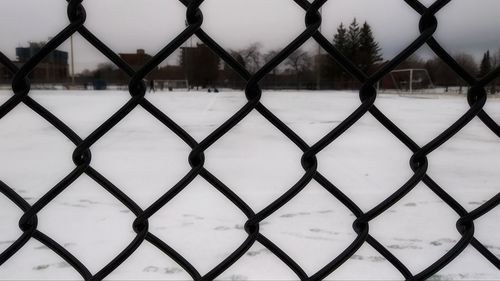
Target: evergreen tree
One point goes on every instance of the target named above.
(495, 62)
(485, 67)
(369, 50)
(353, 43)
(359, 46)
(340, 39)
(340, 43)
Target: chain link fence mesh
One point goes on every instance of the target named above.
(477, 98)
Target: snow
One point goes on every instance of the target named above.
(145, 159)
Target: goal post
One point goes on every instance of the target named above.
(411, 79)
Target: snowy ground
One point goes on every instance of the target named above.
(144, 159)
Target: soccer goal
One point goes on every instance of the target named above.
(411, 80)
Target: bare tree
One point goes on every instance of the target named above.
(300, 62)
(413, 61)
(232, 78)
(443, 75)
(252, 57)
(468, 63)
(272, 78)
(269, 56)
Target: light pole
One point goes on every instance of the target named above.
(72, 62)
(318, 59)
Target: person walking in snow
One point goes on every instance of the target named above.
(152, 86)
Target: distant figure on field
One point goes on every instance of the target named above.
(215, 90)
(152, 86)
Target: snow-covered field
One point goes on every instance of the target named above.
(145, 159)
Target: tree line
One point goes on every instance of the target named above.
(442, 75)
(305, 69)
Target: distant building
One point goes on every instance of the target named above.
(5, 75)
(53, 68)
(201, 65)
(168, 72)
(137, 60)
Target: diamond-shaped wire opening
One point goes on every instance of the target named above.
(92, 218)
(313, 228)
(367, 162)
(156, 158)
(201, 225)
(256, 160)
(470, 180)
(418, 230)
(35, 155)
(35, 261)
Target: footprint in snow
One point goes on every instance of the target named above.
(295, 215)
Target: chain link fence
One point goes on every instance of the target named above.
(477, 98)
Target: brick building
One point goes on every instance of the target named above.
(53, 68)
(136, 60)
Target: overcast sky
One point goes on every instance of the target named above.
(125, 25)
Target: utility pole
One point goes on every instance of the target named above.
(72, 62)
(185, 52)
(318, 60)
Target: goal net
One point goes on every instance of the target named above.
(410, 80)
